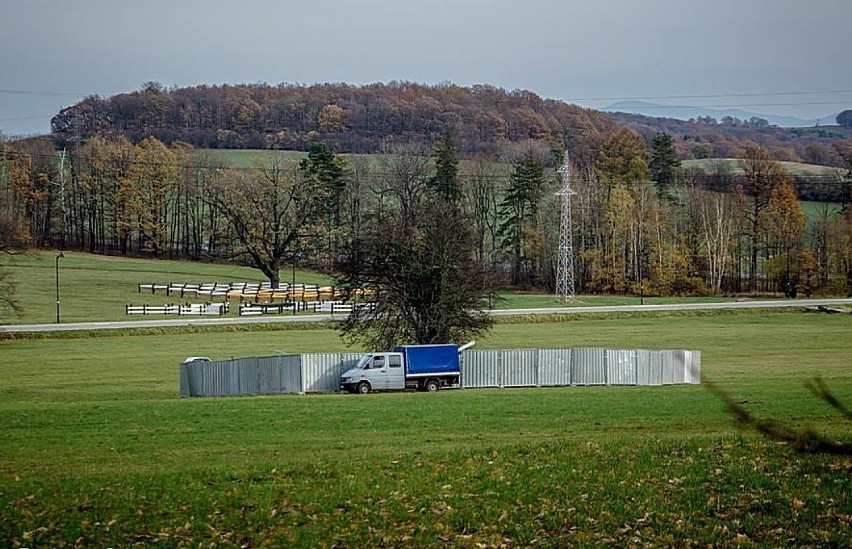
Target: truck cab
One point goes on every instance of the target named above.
(375, 372)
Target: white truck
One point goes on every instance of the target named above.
(421, 367)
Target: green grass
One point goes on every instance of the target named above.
(732, 165)
(250, 158)
(818, 210)
(99, 451)
(97, 288)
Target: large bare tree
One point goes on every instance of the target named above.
(423, 279)
(763, 174)
(268, 210)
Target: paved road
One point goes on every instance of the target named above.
(194, 321)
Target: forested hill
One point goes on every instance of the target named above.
(359, 119)
(349, 118)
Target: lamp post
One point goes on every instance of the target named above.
(297, 253)
(59, 255)
(293, 285)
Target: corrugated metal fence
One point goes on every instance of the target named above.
(320, 373)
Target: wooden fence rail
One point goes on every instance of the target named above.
(173, 309)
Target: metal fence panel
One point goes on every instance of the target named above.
(648, 368)
(279, 374)
(620, 367)
(673, 367)
(554, 367)
(480, 369)
(588, 367)
(219, 380)
(489, 368)
(269, 375)
(520, 367)
(246, 370)
(291, 374)
(679, 358)
(668, 365)
(692, 372)
(322, 371)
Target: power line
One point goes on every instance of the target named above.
(614, 98)
(26, 118)
(709, 96)
(790, 104)
(50, 93)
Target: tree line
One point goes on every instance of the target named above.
(642, 224)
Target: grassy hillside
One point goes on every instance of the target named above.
(250, 158)
(732, 165)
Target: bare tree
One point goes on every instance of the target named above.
(415, 258)
(268, 210)
(481, 185)
(404, 176)
(12, 242)
(714, 213)
(763, 173)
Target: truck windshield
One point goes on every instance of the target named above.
(363, 361)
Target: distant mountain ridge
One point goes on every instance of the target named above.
(685, 112)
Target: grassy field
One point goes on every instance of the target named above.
(99, 451)
(251, 158)
(732, 165)
(96, 288)
(257, 157)
(819, 210)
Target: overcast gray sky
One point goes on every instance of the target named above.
(590, 52)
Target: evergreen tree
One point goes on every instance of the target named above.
(445, 182)
(519, 210)
(664, 165)
(328, 172)
(327, 169)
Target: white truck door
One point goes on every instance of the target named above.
(395, 371)
(377, 372)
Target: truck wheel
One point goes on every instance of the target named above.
(431, 386)
(363, 388)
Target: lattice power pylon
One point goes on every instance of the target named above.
(565, 261)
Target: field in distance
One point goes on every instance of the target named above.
(247, 158)
(732, 165)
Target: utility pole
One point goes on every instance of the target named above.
(64, 241)
(59, 255)
(565, 260)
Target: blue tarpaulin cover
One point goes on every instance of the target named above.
(430, 359)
